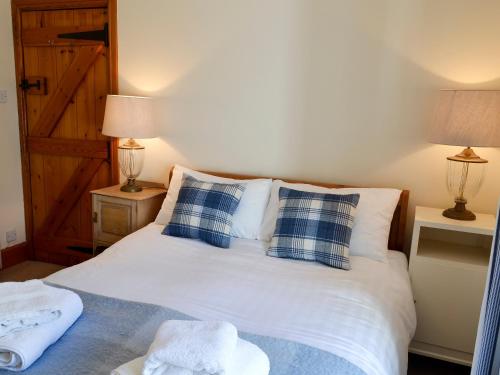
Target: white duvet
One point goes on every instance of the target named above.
(365, 315)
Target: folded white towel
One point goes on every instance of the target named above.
(248, 359)
(26, 305)
(192, 345)
(18, 350)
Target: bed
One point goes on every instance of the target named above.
(363, 318)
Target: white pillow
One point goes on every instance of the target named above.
(372, 222)
(248, 217)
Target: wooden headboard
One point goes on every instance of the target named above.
(398, 225)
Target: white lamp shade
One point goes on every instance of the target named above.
(129, 117)
(467, 118)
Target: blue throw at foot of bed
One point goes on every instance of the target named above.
(111, 332)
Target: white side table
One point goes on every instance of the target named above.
(448, 268)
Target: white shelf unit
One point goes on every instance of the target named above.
(448, 267)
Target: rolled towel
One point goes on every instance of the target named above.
(25, 305)
(192, 345)
(133, 367)
(248, 359)
(18, 350)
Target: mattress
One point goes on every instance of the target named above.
(365, 315)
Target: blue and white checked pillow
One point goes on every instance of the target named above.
(204, 210)
(314, 226)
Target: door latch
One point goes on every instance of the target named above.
(26, 85)
(34, 85)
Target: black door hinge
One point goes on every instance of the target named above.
(99, 35)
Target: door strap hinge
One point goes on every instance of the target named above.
(98, 35)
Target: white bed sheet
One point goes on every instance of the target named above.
(365, 315)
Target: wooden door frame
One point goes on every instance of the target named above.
(18, 6)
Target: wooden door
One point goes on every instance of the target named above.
(64, 72)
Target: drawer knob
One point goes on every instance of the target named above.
(94, 217)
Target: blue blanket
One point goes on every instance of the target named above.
(111, 332)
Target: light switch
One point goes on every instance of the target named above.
(3, 96)
(11, 236)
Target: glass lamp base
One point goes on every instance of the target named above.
(131, 187)
(459, 212)
(131, 157)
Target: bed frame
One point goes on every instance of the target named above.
(398, 225)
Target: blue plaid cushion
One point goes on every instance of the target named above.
(314, 226)
(204, 210)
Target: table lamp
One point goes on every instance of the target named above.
(468, 118)
(129, 117)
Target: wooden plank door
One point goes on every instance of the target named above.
(64, 73)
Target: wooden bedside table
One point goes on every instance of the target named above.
(116, 214)
(448, 269)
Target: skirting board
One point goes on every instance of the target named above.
(14, 255)
(441, 353)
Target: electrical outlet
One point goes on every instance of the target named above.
(11, 236)
(3, 96)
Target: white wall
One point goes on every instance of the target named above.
(11, 193)
(327, 90)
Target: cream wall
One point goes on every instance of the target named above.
(11, 193)
(327, 90)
